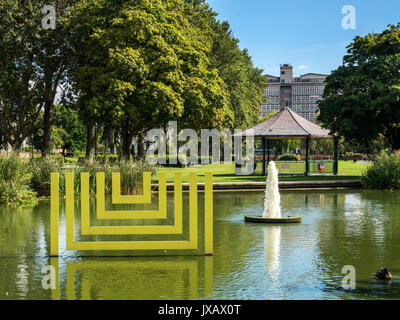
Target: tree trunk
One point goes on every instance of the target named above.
(50, 96)
(47, 119)
(111, 138)
(90, 142)
(16, 146)
(127, 137)
(393, 137)
(140, 146)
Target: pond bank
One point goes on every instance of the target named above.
(327, 184)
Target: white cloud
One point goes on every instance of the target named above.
(304, 67)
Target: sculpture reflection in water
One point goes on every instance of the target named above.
(102, 278)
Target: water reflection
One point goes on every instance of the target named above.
(105, 278)
(339, 227)
(22, 276)
(272, 239)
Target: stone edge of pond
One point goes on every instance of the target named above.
(232, 186)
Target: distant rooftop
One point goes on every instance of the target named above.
(287, 76)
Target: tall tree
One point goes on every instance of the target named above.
(243, 82)
(32, 66)
(73, 133)
(139, 64)
(362, 97)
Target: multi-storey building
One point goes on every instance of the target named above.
(301, 94)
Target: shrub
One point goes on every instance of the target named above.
(289, 157)
(21, 180)
(384, 173)
(70, 160)
(131, 174)
(14, 182)
(112, 158)
(40, 169)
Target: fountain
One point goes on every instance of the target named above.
(272, 207)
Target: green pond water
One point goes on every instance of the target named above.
(251, 261)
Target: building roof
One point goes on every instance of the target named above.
(287, 124)
(271, 76)
(313, 74)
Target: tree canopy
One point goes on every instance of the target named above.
(140, 64)
(33, 61)
(131, 65)
(362, 97)
(243, 82)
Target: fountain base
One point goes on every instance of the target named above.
(260, 219)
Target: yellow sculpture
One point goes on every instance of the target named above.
(145, 198)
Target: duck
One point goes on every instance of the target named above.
(383, 274)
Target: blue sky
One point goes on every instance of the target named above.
(306, 33)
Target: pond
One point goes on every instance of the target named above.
(251, 261)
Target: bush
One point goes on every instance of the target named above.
(131, 174)
(70, 160)
(182, 159)
(112, 158)
(40, 169)
(289, 157)
(21, 180)
(14, 182)
(384, 173)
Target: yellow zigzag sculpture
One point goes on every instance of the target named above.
(145, 198)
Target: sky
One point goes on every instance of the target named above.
(305, 33)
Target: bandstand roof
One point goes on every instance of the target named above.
(287, 124)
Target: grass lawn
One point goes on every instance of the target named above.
(348, 170)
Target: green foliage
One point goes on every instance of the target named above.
(70, 160)
(112, 158)
(244, 83)
(289, 157)
(101, 158)
(71, 131)
(67, 132)
(33, 64)
(139, 64)
(384, 173)
(362, 97)
(131, 174)
(14, 182)
(320, 146)
(127, 66)
(40, 170)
